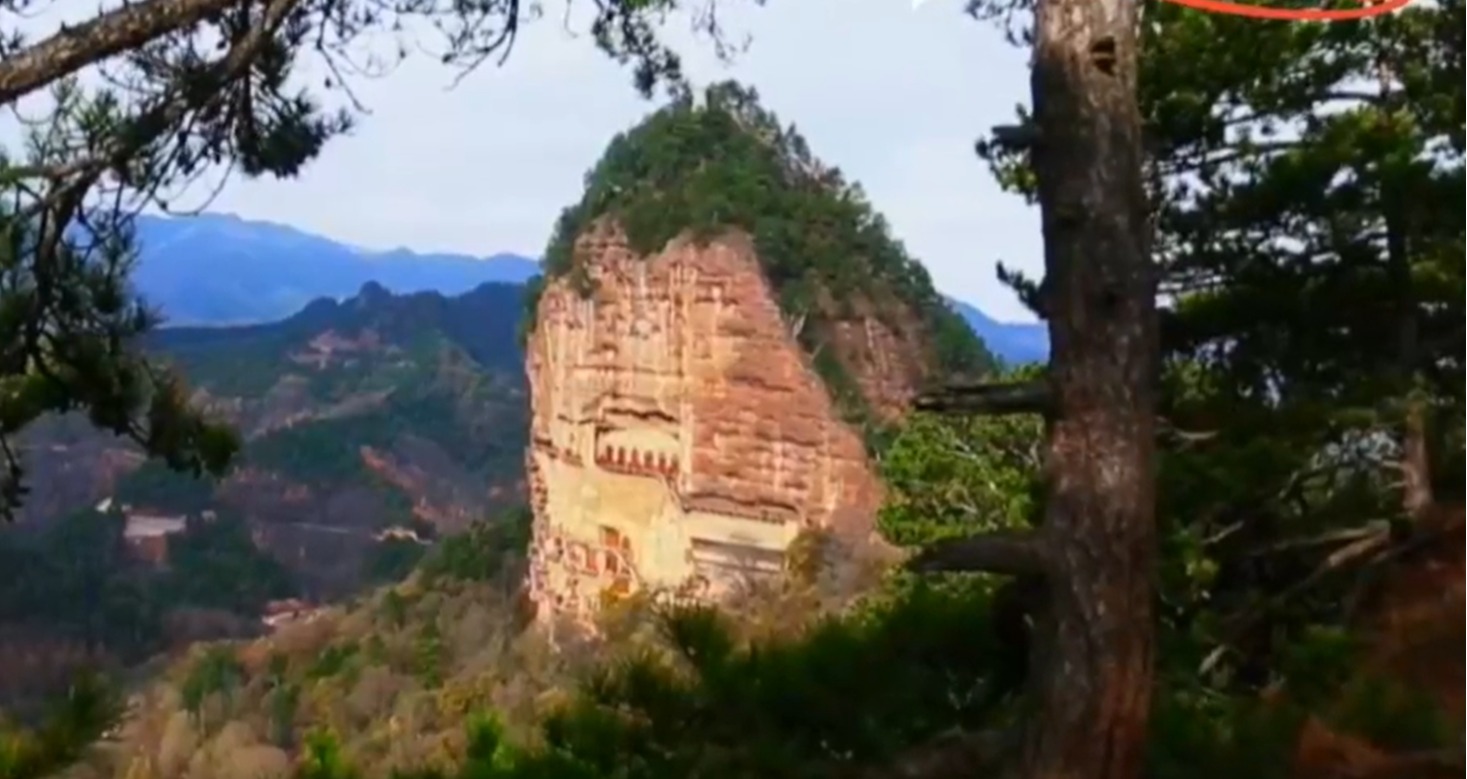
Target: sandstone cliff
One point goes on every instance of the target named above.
(724, 331)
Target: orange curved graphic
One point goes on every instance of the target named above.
(1368, 9)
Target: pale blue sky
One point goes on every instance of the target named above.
(892, 95)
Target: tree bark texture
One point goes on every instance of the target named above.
(1416, 487)
(1093, 640)
(77, 46)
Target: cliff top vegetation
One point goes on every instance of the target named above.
(701, 167)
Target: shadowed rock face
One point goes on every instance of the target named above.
(679, 436)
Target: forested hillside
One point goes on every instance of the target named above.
(381, 411)
(418, 397)
(354, 416)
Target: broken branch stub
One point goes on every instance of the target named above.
(1008, 552)
(1016, 137)
(989, 399)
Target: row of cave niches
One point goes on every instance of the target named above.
(572, 601)
(595, 562)
(611, 558)
(621, 460)
(659, 465)
(607, 567)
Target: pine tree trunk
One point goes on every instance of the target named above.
(1416, 490)
(1416, 486)
(1093, 640)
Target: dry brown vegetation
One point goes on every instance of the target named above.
(395, 675)
(34, 663)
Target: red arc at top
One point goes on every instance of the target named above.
(1367, 9)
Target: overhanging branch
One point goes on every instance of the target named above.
(77, 176)
(76, 46)
(1016, 137)
(989, 399)
(1009, 552)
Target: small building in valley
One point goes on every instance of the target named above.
(146, 533)
(279, 613)
(400, 533)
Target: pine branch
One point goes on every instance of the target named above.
(75, 47)
(164, 115)
(1016, 137)
(1010, 552)
(989, 399)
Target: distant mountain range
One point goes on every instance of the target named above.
(1015, 343)
(218, 269)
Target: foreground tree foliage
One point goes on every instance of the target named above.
(87, 710)
(189, 86)
(1308, 202)
(948, 474)
(1287, 422)
(67, 344)
(864, 694)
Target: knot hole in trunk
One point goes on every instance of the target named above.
(1103, 54)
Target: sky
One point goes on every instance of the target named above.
(892, 94)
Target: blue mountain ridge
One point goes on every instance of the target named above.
(1016, 343)
(219, 269)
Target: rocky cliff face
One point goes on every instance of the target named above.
(680, 436)
(725, 328)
